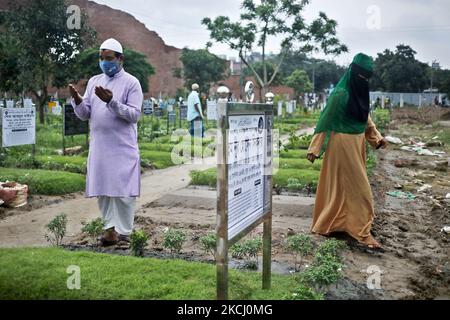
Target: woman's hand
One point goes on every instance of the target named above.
(311, 157)
(383, 144)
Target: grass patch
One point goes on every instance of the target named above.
(41, 274)
(294, 163)
(165, 147)
(444, 136)
(304, 178)
(45, 182)
(298, 154)
(159, 159)
(204, 178)
(75, 164)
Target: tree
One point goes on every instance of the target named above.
(322, 72)
(9, 65)
(299, 81)
(46, 46)
(201, 67)
(135, 63)
(399, 71)
(281, 19)
(442, 80)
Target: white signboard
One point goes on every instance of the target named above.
(18, 127)
(170, 108)
(246, 150)
(211, 112)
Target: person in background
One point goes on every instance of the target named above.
(344, 201)
(112, 104)
(195, 113)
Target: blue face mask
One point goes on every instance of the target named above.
(110, 68)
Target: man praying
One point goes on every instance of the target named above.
(112, 105)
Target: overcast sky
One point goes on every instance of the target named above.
(422, 24)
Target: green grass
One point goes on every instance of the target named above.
(306, 177)
(166, 147)
(40, 274)
(298, 154)
(444, 136)
(159, 159)
(295, 163)
(204, 178)
(76, 164)
(45, 182)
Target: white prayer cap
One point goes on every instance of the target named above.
(112, 44)
(195, 86)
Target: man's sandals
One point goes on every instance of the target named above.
(110, 238)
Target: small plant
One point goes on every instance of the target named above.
(174, 240)
(208, 243)
(304, 293)
(294, 184)
(330, 248)
(321, 275)
(327, 265)
(56, 229)
(249, 251)
(299, 246)
(237, 251)
(93, 229)
(138, 242)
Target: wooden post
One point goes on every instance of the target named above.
(222, 203)
(267, 253)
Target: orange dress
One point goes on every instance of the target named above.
(344, 200)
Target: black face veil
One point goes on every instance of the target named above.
(358, 107)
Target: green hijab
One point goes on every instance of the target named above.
(347, 108)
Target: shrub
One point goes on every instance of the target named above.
(304, 293)
(321, 275)
(298, 142)
(174, 240)
(249, 251)
(299, 245)
(327, 266)
(138, 242)
(208, 243)
(330, 248)
(56, 229)
(93, 229)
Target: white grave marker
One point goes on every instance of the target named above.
(18, 126)
(211, 111)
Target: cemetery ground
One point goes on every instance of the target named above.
(414, 264)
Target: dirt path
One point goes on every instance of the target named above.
(27, 229)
